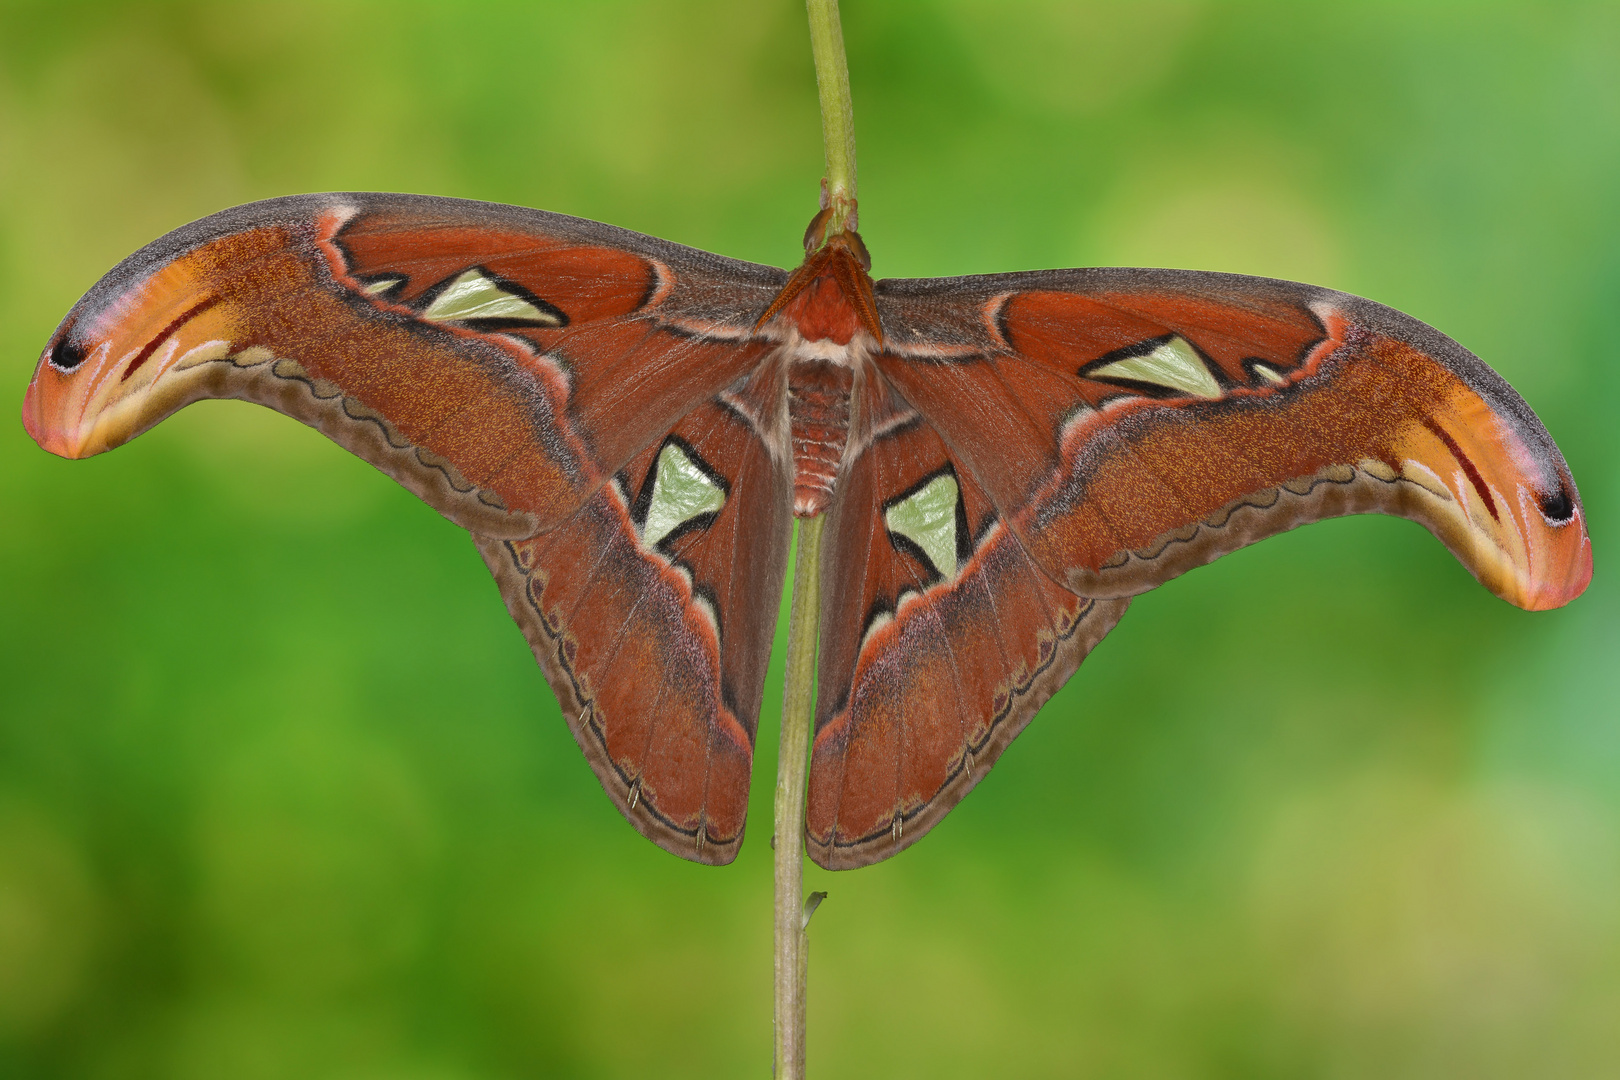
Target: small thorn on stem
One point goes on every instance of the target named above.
(811, 902)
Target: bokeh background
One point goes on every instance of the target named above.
(282, 793)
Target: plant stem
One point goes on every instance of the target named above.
(799, 696)
(798, 710)
(837, 115)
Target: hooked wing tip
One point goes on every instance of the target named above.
(76, 405)
(1562, 576)
(1523, 529)
(1532, 550)
(47, 425)
(127, 355)
(1574, 586)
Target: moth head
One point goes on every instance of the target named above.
(824, 231)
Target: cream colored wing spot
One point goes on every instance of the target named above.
(1174, 365)
(379, 286)
(475, 297)
(682, 491)
(1267, 374)
(927, 518)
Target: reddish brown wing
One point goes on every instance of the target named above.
(1105, 430)
(500, 362)
(657, 651)
(505, 365)
(941, 637)
(1129, 425)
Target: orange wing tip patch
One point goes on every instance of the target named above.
(1484, 499)
(109, 374)
(106, 401)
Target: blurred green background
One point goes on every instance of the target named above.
(282, 793)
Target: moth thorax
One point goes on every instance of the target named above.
(818, 410)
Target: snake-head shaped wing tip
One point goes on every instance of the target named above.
(146, 339)
(81, 400)
(41, 419)
(1554, 564)
(1528, 555)
(97, 389)
(1479, 469)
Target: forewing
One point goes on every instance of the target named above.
(1129, 425)
(652, 611)
(941, 637)
(502, 363)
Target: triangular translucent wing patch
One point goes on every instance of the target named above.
(1267, 374)
(681, 491)
(927, 518)
(383, 285)
(1174, 365)
(477, 298)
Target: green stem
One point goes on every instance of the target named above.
(798, 711)
(837, 115)
(799, 696)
